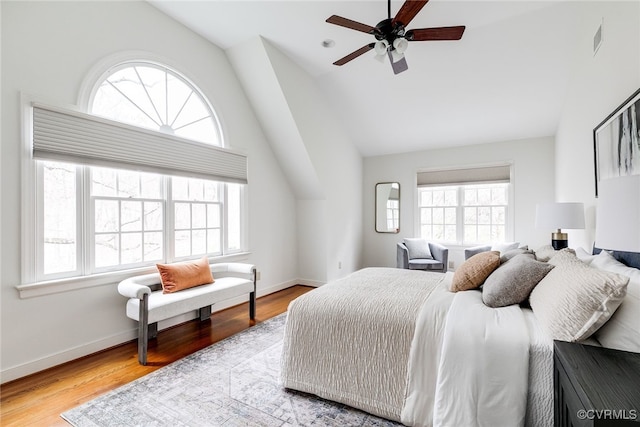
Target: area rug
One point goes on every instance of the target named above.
(231, 383)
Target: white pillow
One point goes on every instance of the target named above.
(504, 247)
(622, 331)
(418, 248)
(574, 300)
(584, 256)
(545, 253)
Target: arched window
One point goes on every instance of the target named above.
(153, 96)
(97, 217)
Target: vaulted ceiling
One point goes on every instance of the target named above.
(504, 80)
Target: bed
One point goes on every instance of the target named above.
(400, 345)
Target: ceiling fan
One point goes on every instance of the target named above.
(392, 36)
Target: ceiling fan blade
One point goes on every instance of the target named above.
(348, 23)
(441, 33)
(408, 11)
(354, 54)
(398, 66)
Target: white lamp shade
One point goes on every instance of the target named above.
(618, 214)
(560, 215)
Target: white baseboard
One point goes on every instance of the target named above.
(59, 358)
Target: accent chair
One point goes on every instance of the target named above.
(418, 254)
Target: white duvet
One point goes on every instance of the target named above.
(398, 344)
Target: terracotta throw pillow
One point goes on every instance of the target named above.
(473, 272)
(183, 275)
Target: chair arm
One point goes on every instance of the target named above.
(440, 253)
(474, 250)
(402, 256)
(131, 288)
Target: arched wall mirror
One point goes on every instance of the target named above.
(388, 207)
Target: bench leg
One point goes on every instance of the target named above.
(153, 330)
(143, 330)
(252, 306)
(205, 313)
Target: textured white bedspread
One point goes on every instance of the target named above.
(396, 343)
(349, 341)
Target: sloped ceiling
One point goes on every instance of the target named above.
(505, 80)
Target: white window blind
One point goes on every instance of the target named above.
(480, 175)
(69, 136)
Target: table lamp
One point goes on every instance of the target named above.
(558, 216)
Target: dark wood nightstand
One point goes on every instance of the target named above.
(595, 386)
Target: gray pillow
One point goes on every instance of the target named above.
(418, 248)
(506, 256)
(513, 281)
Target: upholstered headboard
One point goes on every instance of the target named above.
(631, 259)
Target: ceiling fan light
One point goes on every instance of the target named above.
(381, 47)
(396, 56)
(380, 58)
(400, 45)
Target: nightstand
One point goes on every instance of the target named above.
(595, 386)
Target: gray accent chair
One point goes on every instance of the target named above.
(439, 263)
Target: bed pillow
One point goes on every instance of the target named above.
(545, 253)
(585, 256)
(574, 300)
(418, 248)
(183, 275)
(506, 256)
(504, 247)
(473, 272)
(622, 331)
(513, 281)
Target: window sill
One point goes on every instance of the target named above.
(50, 287)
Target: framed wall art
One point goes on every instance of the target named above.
(616, 142)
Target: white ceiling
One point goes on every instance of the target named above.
(505, 80)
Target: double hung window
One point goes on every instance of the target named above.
(466, 206)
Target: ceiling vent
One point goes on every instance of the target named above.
(597, 38)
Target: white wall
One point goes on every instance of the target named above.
(533, 182)
(47, 50)
(320, 161)
(598, 85)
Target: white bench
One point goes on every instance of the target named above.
(148, 305)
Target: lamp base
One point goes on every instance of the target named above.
(559, 240)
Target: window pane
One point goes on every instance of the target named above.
(470, 196)
(438, 232)
(213, 241)
(470, 233)
(438, 216)
(131, 216)
(499, 195)
(196, 189)
(211, 191)
(450, 216)
(450, 233)
(106, 216)
(182, 216)
(153, 216)
(59, 208)
(233, 217)
(153, 246)
(128, 184)
(438, 198)
(104, 182)
(470, 215)
(198, 215)
(151, 186)
(131, 248)
(484, 215)
(425, 232)
(183, 243)
(213, 216)
(180, 187)
(451, 198)
(107, 250)
(498, 215)
(426, 198)
(198, 242)
(484, 196)
(484, 233)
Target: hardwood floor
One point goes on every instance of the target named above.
(39, 399)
